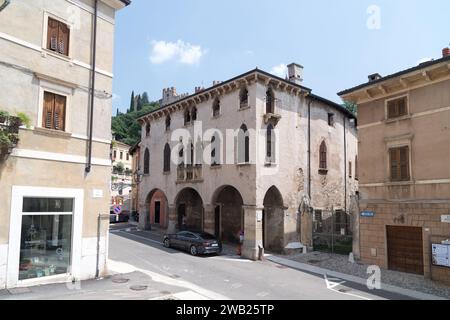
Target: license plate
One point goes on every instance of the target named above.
(214, 245)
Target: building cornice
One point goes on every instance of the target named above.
(413, 78)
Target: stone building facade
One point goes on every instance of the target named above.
(404, 168)
(55, 181)
(255, 153)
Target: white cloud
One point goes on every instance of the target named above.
(279, 70)
(179, 51)
(249, 52)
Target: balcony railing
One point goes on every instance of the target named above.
(189, 173)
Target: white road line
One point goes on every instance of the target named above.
(331, 285)
(123, 268)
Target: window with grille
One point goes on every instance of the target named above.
(397, 108)
(399, 163)
(54, 111)
(167, 158)
(323, 156)
(58, 35)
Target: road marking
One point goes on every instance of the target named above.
(332, 283)
(141, 237)
(123, 268)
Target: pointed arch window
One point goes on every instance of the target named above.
(187, 117)
(243, 98)
(323, 157)
(147, 129)
(146, 161)
(215, 150)
(168, 122)
(270, 101)
(243, 145)
(270, 144)
(194, 114)
(216, 108)
(167, 158)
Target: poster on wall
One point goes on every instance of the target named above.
(441, 255)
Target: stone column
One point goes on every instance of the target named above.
(173, 219)
(208, 219)
(144, 214)
(253, 233)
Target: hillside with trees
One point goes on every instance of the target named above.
(125, 127)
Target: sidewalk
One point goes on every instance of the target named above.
(338, 266)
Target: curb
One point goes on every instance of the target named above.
(387, 287)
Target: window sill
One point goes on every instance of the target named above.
(401, 118)
(244, 107)
(52, 133)
(189, 181)
(166, 173)
(323, 171)
(216, 117)
(244, 164)
(57, 55)
(399, 183)
(215, 167)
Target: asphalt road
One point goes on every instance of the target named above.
(228, 276)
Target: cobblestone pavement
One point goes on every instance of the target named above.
(340, 263)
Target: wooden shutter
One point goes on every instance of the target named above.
(47, 116)
(63, 39)
(404, 163)
(394, 164)
(52, 34)
(59, 113)
(397, 107)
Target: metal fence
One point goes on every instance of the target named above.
(332, 231)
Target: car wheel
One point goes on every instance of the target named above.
(193, 250)
(166, 243)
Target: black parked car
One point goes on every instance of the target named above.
(193, 242)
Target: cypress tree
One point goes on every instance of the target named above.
(132, 101)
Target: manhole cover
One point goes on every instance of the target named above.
(175, 276)
(138, 288)
(313, 261)
(344, 290)
(120, 280)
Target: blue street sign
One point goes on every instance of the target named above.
(368, 214)
(117, 209)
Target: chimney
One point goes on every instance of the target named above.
(446, 52)
(374, 77)
(295, 73)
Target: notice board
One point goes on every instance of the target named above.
(441, 255)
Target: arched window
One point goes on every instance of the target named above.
(198, 152)
(323, 156)
(147, 130)
(167, 158)
(216, 108)
(270, 144)
(146, 161)
(191, 154)
(243, 145)
(356, 168)
(181, 154)
(187, 117)
(215, 150)
(243, 98)
(270, 101)
(168, 121)
(194, 114)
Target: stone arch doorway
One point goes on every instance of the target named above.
(189, 210)
(273, 220)
(228, 214)
(156, 209)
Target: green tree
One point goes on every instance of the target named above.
(132, 101)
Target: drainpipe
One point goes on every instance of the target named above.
(309, 149)
(345, 165)
(92, 89)
(5, 4)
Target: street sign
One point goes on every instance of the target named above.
(368, 214)
(117, 209)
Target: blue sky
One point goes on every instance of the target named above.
(188, 43)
